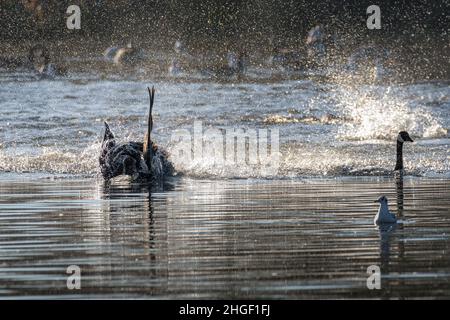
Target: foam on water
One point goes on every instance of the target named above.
(325, 129)
(53, 160)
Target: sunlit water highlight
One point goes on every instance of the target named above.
(325, 129)
(215, 232)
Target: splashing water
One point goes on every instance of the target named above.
(56, 126)
(382, 113)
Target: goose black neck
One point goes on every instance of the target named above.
(399, 164)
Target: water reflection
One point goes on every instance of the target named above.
(221, 239)
(140, 233)
(400, 215)
(385, 244)
(391, 234)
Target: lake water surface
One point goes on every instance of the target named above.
(211, 239)
(212, 232)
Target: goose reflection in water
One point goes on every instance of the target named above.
(133, 238)
(388, 229)
(400, 214)
(391, 233)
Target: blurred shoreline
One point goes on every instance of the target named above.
(425, 63)
(415, 32)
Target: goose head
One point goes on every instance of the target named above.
(403, 136)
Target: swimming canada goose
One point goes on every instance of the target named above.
(236, 62)
(127, 55)
(39, 60)
(384, 216)
(143, 161)
(175, 67)
(402, 137)
(369, 63)
(315, 45)
(286, 59)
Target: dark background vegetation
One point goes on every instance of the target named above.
(283, 22)
(419, 28)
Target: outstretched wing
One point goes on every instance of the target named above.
(107, 145)
(108, 133)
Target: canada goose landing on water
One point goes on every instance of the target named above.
(402, 137)
(384, 216)
(143, 161)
